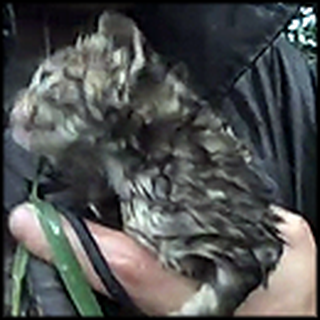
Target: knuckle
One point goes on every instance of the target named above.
(127, 269)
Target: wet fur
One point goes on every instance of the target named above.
(109, 113)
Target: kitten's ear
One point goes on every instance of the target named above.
(117, 26)
(124, 33)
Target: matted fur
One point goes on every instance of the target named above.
(109, 113)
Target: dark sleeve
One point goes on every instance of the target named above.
(19, 167)
(272, 106)
(216, 41)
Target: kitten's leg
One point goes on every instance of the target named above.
(203, 302)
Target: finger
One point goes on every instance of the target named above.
(281, 298)
(295, 228)
(140, 273)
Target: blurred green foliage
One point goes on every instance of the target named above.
(302, 31)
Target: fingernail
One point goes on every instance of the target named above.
(19, 218)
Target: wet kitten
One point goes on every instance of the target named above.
(109, 113)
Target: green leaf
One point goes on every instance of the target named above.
(64, 258)
(18, 274)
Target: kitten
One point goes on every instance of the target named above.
(109, 113)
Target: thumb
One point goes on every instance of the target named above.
(136, 269)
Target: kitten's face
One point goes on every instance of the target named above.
(72, 91)
(43, 113)
(95, 89)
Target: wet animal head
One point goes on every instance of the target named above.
(81, 92)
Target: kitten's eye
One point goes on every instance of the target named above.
(44, 75)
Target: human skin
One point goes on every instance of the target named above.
(291, 289)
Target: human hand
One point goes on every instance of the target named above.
(291, 290)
